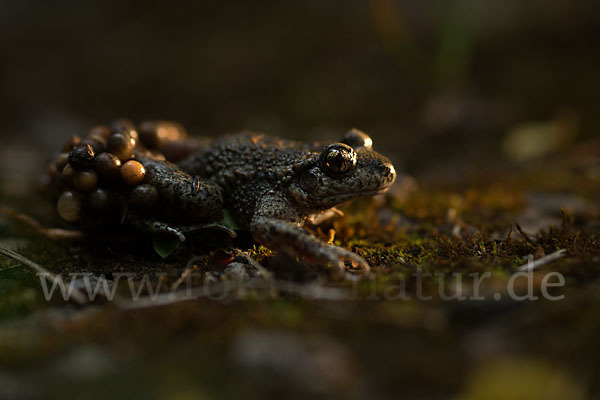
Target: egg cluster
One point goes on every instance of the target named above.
(99, 174)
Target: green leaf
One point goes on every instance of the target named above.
(165, 245)
(229, 221)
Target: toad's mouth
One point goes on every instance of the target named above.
(360, 193)
(373, 192)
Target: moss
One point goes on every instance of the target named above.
(19, 292)
(438, 230)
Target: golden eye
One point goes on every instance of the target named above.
(338, 158)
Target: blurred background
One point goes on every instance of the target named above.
(436, 83)
(447, 89)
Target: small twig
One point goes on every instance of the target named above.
(510, 231)
(527, 238)
(183, 277)
(10, 267)
(563, 225)
(219, 290)
(213, 291)
(265, 272)
(58, 233)
(311, 292)
(530, 266)
(77, 296)
(38, 228)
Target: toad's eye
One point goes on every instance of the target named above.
(338, 158)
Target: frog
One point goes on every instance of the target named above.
(274, 186)
(271, 186)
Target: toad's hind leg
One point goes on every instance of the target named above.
(160, 227)
(184, 197)
(209, 226)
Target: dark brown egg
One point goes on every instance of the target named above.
(69, 206)
(98, 143)
(68, 172)
(81, 157)
(99, 201)
(99, 131)
(108, 166)
(61, 161)
(133, 172)
(85, 180)
(144, 198)
(153, 134)
(51, 173)
(71, 143)
(121, 144)
(124, 124)
(149, 135)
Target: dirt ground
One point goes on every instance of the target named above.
(300, 330)
(490, 115)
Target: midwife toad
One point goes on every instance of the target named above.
(271, 186)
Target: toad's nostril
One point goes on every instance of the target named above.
(386, 169)
(390, 172)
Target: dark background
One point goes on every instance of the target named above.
(436, 83)
(495, 99)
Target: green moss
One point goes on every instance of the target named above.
(438, 230)
(20, 292)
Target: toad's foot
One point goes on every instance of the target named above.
(337, 255)
(289, 237)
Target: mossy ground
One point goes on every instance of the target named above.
(373, 338)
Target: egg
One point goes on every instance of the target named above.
(149, 135)
(99, 131)
(61, 161)
(85, 180)
(99, 201)
(133, 172)
(126, 125)
(69, 206)
(108, 167)
(121, 144)
(153, 134)
(71, 143)
(144, 198)
(68, 172)
(81, 157)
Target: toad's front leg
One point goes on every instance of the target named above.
(272, 231)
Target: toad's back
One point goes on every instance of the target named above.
(246, 165)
